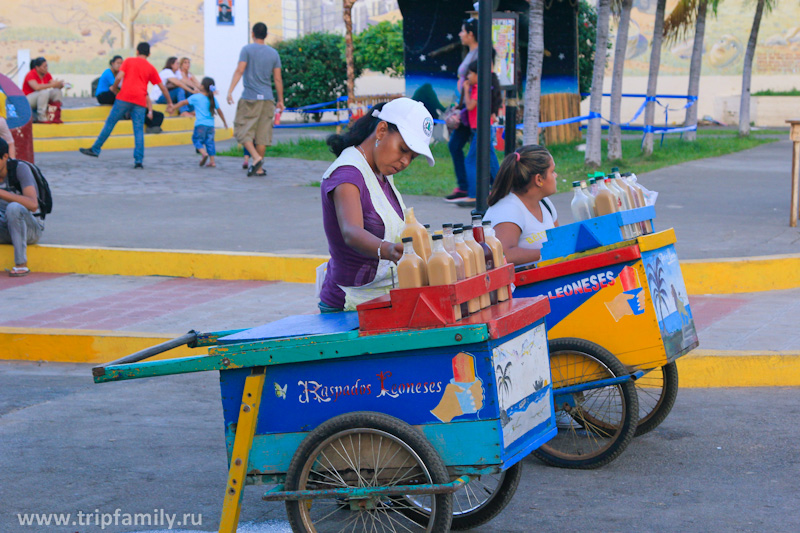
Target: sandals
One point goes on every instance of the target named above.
(18, 272)
(252, 169)
(203, 160)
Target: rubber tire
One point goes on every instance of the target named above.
(669, 392)
(494, 505)
(371, 420)
(629, 398)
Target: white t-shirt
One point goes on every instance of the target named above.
(155, 92)
(533, 233)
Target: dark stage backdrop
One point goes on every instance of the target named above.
(433, 50)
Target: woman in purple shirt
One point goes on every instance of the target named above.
(362, 211)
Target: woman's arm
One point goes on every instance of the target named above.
(347, 202)
(508, 234)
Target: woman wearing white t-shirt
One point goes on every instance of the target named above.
(518, 206)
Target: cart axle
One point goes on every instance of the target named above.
(278, 494)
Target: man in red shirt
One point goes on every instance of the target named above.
(131, 99)
(40, 88)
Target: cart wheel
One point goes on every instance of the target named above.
(480, 500)
(595, 425)
(366, 449)
(657, 391)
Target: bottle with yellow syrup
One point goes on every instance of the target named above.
(497, 252)
(465, 252)
(415, 230)
(479, 259)
(450, 246)
(411, 269)
(442, 269)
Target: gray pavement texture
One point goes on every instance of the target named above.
(724, 460)
(730, 206)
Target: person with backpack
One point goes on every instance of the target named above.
(21, 215)
(519, 209)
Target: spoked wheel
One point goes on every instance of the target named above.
(480, 500)
(657, 391)
(359, 450)
(594, 425)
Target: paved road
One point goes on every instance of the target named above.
(724, 460)
(730, 206)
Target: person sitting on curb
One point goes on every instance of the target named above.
(178, 88)
(105, 96)
(40, 88)
(18, 224)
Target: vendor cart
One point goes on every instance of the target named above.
(374, 419)
(617, 306)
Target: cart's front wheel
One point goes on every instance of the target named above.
(359, 450)
(479, 501)
(596, 424)
(657, 391)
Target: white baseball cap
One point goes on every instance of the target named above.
(413, 121)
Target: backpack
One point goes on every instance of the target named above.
(45, 197)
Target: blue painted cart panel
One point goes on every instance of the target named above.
(450, 389)
(297, 326)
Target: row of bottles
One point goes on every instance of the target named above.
(457, 253)
(602, 195)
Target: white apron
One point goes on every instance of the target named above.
(386, 275)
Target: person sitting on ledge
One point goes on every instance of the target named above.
(40, 88)
(105, 96)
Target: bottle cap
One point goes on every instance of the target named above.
(407, 239)
(458, 225)
(458, 231)
(626, 174)
(467, 227)
(438, 237)
(427, 226)
(447, 225)
(592, 181)
(614, 169)
(487, 222)
(576, 183)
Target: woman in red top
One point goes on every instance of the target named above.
(40, 88)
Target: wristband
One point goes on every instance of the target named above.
(379, 248)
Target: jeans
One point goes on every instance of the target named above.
(458, 139)
(177, 94)
(19, 227)
(472, 166)
(203, 136)
(118, 112)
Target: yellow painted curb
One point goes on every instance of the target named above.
(81, 346)
(178, 263)
(713, 368)
(93, 128)
(123, 141)
(743, 274)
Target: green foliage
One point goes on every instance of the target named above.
(587, 37)
(379, 48)
(770, 92)
(313, 68)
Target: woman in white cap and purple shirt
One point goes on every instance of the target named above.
(362, 210)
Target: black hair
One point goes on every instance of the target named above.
(207, 83)
(111, 61)
(260, 30)
(37, 62)
(170, 61)
(497, 93)
(3, 148)
(517, 176)
(471, 26)
(143, 48)
(360, 130)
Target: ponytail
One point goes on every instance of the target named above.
(37, 62)
(358, 132)
(208, 87)
(518, 170)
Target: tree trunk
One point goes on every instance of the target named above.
(594, 131)
(127, 24)
(747, 73)
(533, 88)
(652, 79)
(347, 15)
(621, 45)
(695, 67)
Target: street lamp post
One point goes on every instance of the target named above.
(484, 102)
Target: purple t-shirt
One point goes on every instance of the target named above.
(348, 267)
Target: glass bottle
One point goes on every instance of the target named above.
(581, 208)
(411, 269)
(480, 237)
(605, 200)
(442, 269)
(418, 232)
(466, 254)
(497, 252)
(479, 258)
(585, 189)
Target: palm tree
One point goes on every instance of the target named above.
(594, 155)
(347, 15)
(652, 79)
(747, 72)
(658, 286)
(533, 89)
(503, 376)
(614, 131)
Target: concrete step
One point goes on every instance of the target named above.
(93, 128)
(98, 112)
(122, 141)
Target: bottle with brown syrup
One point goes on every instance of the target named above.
(466, 254)
(442, 269)
(415, 230)
(479, 259)
(411, 269)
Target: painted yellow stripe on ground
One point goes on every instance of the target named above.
(123, 141)
(178, 263)
(709, 368)
(744, 274)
